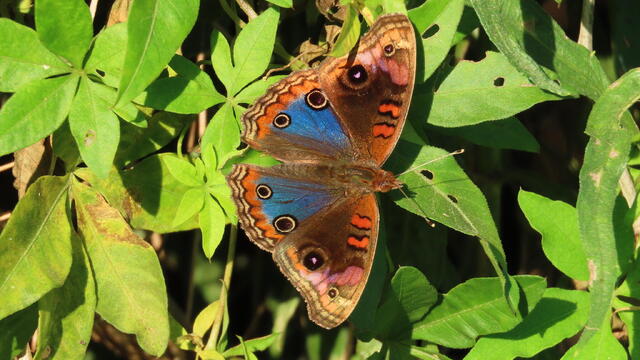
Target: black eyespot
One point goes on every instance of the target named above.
(263, 191)
(281, 121)
(333, 292)
(389, 50)
(285, 223)
(357, 74)
(316, 99)
(312, 261)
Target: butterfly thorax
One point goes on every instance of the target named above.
(358, 179)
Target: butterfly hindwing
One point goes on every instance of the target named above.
(329, 258)
(272, 202)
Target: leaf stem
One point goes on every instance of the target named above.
(226, 282)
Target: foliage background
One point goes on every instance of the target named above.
(545, 157)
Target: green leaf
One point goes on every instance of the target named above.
(190, 204)
(256, 89)
(559, 314)
(24, 58)
(611, 131)
(557, 222)
(282, 312)
(406, 301)
(190, 92)
(212, 222)
(221, 59)
(474, 308)
(130, 286)
(349, 34)
(489, 89)
(282, 3)
(66, 313)
(252, 345)
(35, 245)
(447, 195)
(603, 345)
(16, 330)
(65, 27)
(252, 49)
(439, 20)
(182, 170)
(35, 111)
(204, 319)
(223, 134)
(95, 128)
(136, 142)
(106, 57)
(156, 28)
(507, 133)
(529, 38)
(147, 194)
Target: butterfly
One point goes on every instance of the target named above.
(332, 127)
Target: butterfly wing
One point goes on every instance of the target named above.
(329, 258)
(371, 91)
(294, 121)
(272, 202)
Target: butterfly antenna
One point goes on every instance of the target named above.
(424, 214)
(453, 153)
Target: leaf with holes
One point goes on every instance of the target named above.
(106, 57)
(490, 89)
(530, 39)
(132, 294)
(436, 21)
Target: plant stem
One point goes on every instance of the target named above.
(585, 38)
(226, 282)
(251, 14)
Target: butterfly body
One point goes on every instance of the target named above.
(332, 127)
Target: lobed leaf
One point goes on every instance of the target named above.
(212, 223)
(252, 49)
(156, 28)
(35, 111)
(35, 245)
(65, 27)
(129, 282)
(557, 222)
(24, 58)
(66, 313)
(147, 194)
(223, 134)
(190, 205)
(107, 54)
(251, 345)
(95, 128)
(474, 308)
(559, 315)
(221, 59)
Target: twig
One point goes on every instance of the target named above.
(251, 14)
(232, 14)
(5, 216)
(226, 282)
(7, 166)
(585, 38)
